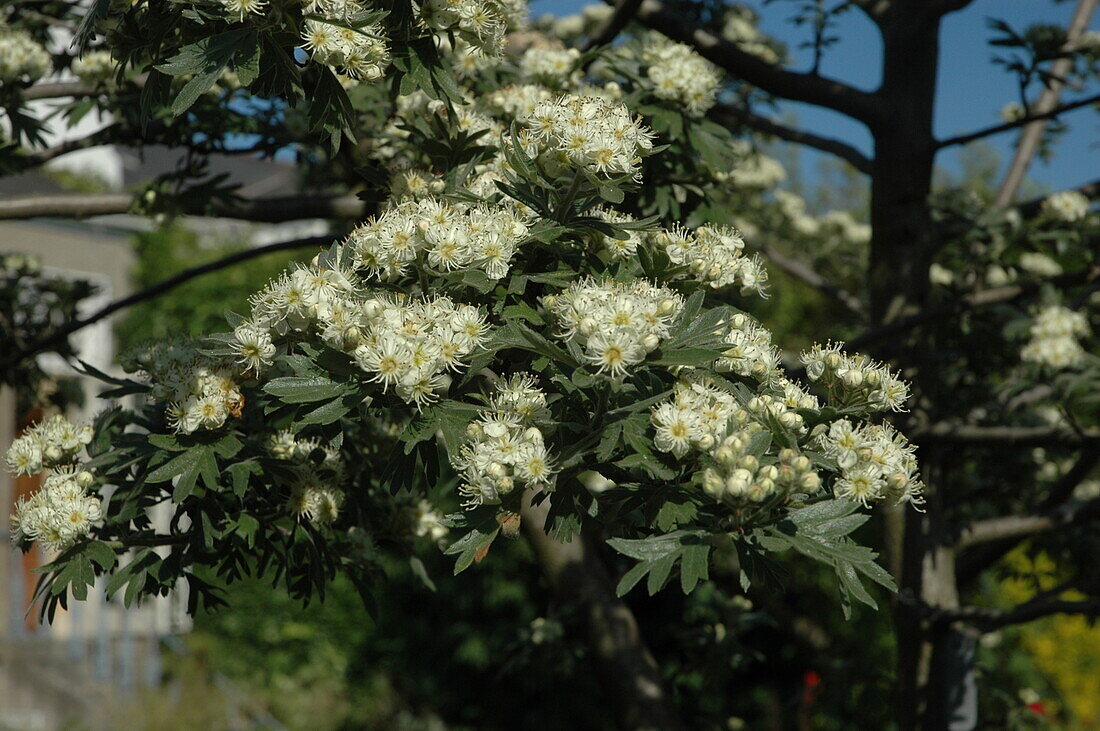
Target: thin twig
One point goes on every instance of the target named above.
(1023, 121)
(156, 290)
(970, 302)
(800, 271)
(624, 12)
(727, 114)
(266, 210)
(1028, 144)
(772, 78)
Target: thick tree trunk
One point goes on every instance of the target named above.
(624, 664)
(931, 661)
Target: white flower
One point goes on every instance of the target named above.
(586, 133)
(359, 54)
(243, 8)
(678, 74)
(550, 66)
(94, 67)
(54, 442)
(504, 450)
(22, 59)
(1039, 264)
(1068, 206)
(617, 323)
(1055, 334)
(58, 514)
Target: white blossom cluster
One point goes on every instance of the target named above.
(706, 420)
(679, 74)
(1055, 338)
(481, 24)
(754, 169)
(516, 100)
(444, 236)
(54, 442)
(694, 418)
(22, 59)
(316, 502)
(843, 225)
(427, 521)
(360, 54)
(505, 447)
(1039, 264)
(201, 393)
(94, 67)
(714, 254)
(550, 66)
(310, 453)
(315, 466)
(586, 133)
(793, 208)
(1068, 205)
(624, 248)
(740, 28)
(876, 462)
(410, 344)
(414, 184)
(854, 379)
(616, 323)
(58, 514)
(750, 352)
(405, 343)
(739, 477)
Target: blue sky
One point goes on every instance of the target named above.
(971, 89)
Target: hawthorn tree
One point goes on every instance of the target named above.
(535, 302)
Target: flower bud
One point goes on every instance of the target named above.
(810, 482)
(852, 378)
(790, 420)
(84, 478)
(650, 342)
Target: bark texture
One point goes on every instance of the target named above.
(625, 666)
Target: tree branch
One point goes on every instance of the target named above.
(265, 210)
(624, 664)
(1028, 144)
(990, 619)
(102, 136)
(624, 12)
(774, 79)
(1019, 527)
(727, 114)
(1023, 121)
(970, 564)
(1031, 208)
(800, 271)
(972, 301)
(58, 89)
(1002, 435)
(156, 290)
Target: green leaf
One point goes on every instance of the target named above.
(631, 578)
(301, 390)
(420, 572)
(325, 414)
(694, 566)
(659, 571)
(101, 554)
(198, 85)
